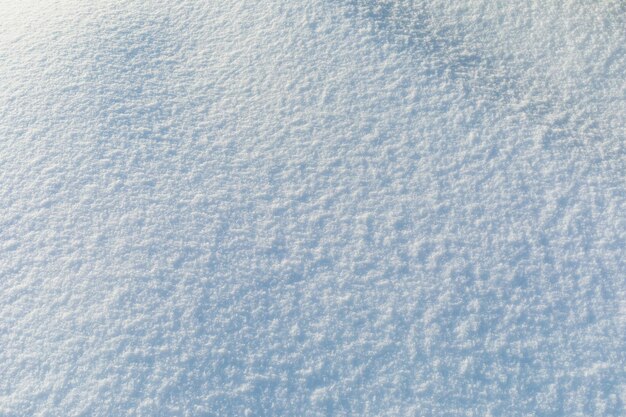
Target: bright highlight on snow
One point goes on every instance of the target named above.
(313, 208)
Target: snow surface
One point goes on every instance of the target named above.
(313, 208)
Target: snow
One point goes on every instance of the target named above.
(263, 208)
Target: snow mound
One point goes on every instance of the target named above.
(324, 208)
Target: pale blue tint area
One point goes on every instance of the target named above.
(312, 208)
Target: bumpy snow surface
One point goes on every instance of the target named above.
(313, 208)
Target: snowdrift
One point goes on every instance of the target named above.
(324, 208)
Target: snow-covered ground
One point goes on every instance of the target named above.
(313, 208)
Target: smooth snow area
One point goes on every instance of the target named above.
(313, 208)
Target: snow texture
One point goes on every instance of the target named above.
(313, 208)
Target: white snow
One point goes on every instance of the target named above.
(312, 208)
